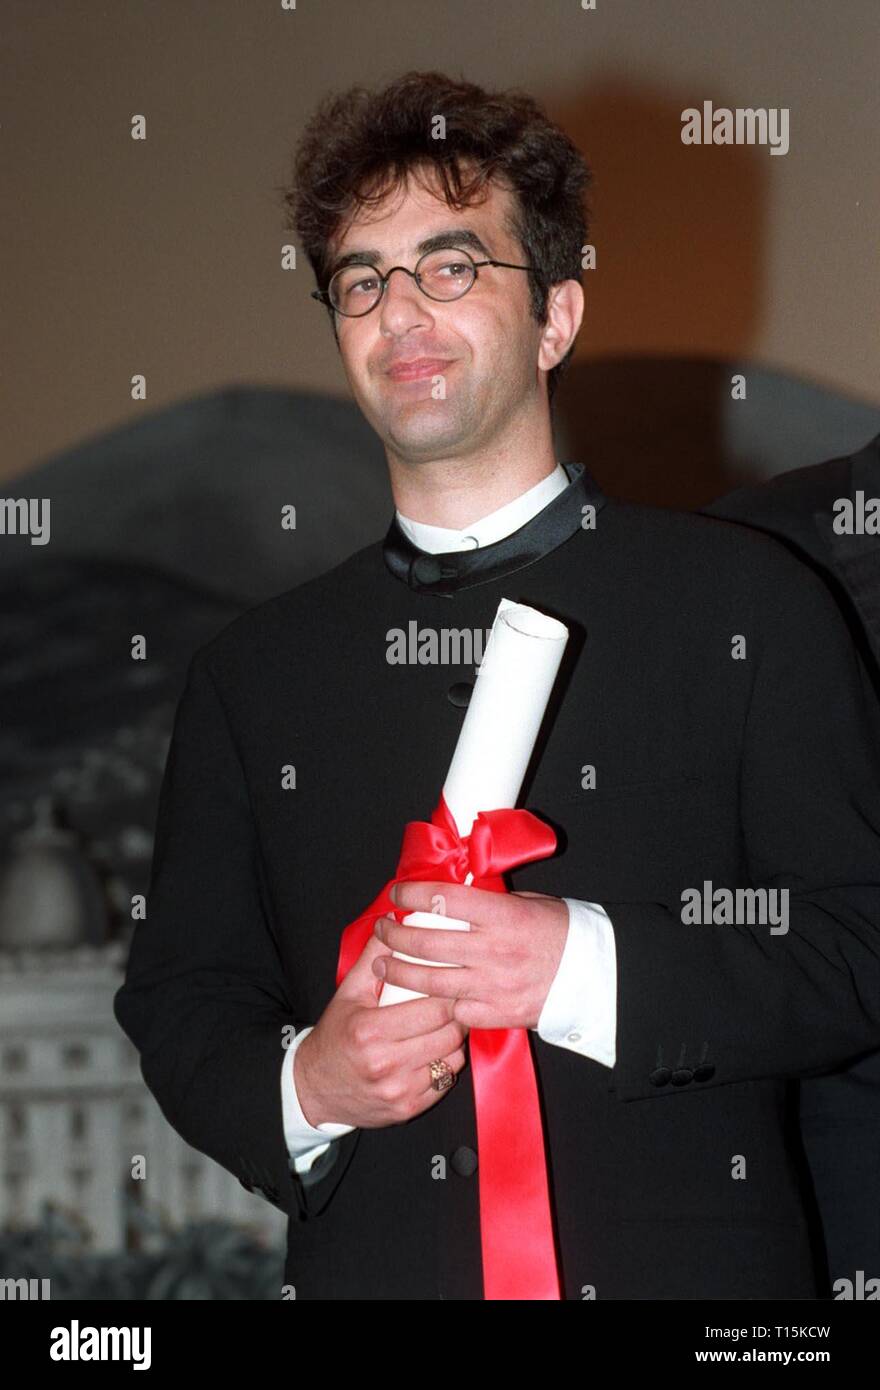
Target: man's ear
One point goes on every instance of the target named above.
(565, 311)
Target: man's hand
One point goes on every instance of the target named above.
(505, 963)
(369, 1067)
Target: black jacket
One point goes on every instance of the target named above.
(839, 1113)
(763, 771)
(797, 508)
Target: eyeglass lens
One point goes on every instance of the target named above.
(356, 289)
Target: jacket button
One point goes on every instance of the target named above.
(705, 1072)
(683, 1076)
(460, 694)
(660, 1077)
(464, 1162)
(428, 569)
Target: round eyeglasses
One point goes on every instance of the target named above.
(356, 289)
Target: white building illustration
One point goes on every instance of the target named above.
(74, 1109)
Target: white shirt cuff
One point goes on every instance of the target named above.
(299, 1135)
(580, 1011)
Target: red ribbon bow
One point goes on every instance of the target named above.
(516, 1225)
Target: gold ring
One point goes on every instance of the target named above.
(442, 1075)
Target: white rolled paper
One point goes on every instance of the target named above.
(497, 738)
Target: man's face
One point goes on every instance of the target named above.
(476, 356)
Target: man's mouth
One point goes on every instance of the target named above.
(418, 368)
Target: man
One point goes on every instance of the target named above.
(814, 511)
(711, 730)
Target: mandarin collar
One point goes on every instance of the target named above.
(488, 529)
(446, 573)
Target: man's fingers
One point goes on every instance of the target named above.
(426, 943)
(442, 1042)
(473, 905)
(414, 1017)
(360, 982)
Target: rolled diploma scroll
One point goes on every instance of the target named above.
(497, 738)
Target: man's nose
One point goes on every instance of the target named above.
(403, 303)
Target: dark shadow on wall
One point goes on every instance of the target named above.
(669, 433)
(679, 229)
(674, 307)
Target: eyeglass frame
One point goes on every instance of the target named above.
(323, 296)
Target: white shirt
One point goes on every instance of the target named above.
(580, 1011)
(489, 529)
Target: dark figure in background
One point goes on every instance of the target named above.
(839, 1113)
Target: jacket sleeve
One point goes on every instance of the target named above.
(204, 997)
(708, 1004)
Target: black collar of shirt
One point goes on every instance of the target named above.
(444, 574)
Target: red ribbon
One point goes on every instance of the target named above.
(516, 1225)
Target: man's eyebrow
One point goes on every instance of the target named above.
(449, 239)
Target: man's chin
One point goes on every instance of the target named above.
(420, 430)
(423, 442)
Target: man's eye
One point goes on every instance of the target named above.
(368, 283)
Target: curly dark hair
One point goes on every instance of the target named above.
(360, 145)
